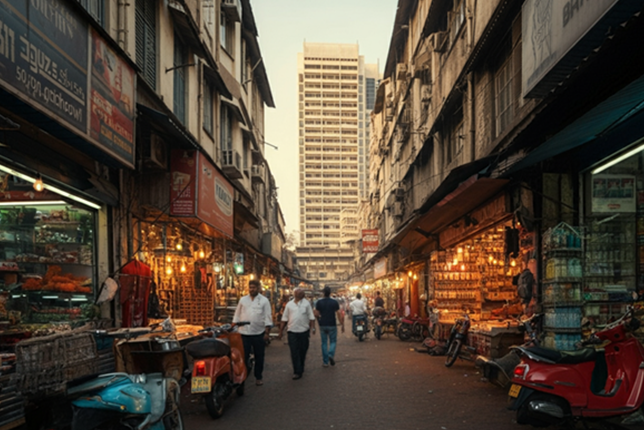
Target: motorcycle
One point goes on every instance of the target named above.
(133, 401)
(499, 371)
(219, 367)
(412, 327)
(606, 384)
(378, 321)
(458, 337)
(361, 327)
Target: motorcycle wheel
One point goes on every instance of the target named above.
(214, 404)
(403, 333)
(172, 419)
(241, 389)
(452, 352)
(361, 337)
(378, 332)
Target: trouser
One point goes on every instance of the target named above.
(256, 345)
(299, 345)
(329, 335)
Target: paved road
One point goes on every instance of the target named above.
(374, 385)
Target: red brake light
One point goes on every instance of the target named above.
(200, 368)
(521, 371)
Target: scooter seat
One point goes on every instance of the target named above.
(562, 357)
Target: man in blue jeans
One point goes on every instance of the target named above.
(325, 310)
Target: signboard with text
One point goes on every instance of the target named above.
(215, 199)
(198, 189)
(45, 62)
(550, 29)
(370, 241)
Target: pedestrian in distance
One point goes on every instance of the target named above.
(256, 309)
(300, 322)
(378, 302)
(326, 310)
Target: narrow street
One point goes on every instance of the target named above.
(374, 385)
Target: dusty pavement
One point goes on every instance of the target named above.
(374, 385)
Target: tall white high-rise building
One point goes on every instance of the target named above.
(336, 93)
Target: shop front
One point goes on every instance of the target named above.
(475, 273)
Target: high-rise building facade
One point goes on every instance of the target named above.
(336, 92)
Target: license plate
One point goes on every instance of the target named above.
(201, 384)
(359, 328)
(514, 390)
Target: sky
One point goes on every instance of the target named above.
(283, 27)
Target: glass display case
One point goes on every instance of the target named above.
(46, 264)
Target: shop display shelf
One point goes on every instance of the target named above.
(563, 251)
(562, 280)
(561, 304)
(572, 330)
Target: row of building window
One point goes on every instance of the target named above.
(329, 67)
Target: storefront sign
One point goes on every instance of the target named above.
(198, 189)
(44, 60)
(613, 193)
(551, 28)
(111, 102)
(183, 168)
(215, 200)
(380, 268)
(369, 241)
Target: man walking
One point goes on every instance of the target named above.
(256, 309)
(325, 310)
(301, 322)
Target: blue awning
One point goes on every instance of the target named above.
(602, 120)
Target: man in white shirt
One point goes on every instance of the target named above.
(300, 321)
(357, 308)
(256, 309)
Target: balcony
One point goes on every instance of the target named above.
(257, 174)
(232, 9)
(232, 164)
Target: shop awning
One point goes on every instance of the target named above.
(597, 123)
(470, 194)
(233, 104)
(170, 126)
(187, 27)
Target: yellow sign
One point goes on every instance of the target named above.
(201, 384)
(514, 390)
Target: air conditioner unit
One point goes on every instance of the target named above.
(425, 93)
(439, 41)
(257, 174)
(156, 153)
(232, 9)
(398, 210)
(399, 193)
(401, 71)
(231, 163)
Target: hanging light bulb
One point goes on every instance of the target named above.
(183, 267)
(202, 254)
(168, 270)
(415, 276)
(38, 184)
(179, 247)
(409, 273)
(490, 258)
(169, 259)
(252, 276)
(513, 263)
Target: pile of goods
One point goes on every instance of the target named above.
(55, 280)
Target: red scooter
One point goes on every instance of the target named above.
(219, 366)
(605, 385)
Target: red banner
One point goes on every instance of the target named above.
(369, 241)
